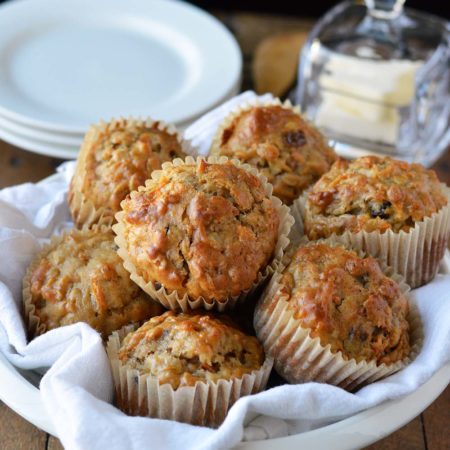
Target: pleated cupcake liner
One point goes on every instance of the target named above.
(206, 403)
(172, 299)
(33, 323)
(415, 254)
(84, 212)
(299, 358)
(245, 107)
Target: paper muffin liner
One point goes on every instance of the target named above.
(244, 107)
(206, 403)
(33, 324)
(415, 254)
(299, 358)
(172, 300)
(84, 212)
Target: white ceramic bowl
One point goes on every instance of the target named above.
(18, 389)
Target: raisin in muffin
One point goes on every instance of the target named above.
(80, 278)
(200, 230)
(115, 158)
(371, 194)
(203, 361)
(276, 139)
(342, 309)
(395, 211)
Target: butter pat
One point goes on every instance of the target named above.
(362, 98)
(358, 118)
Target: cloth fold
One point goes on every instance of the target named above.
(77, 388)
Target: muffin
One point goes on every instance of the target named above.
(391, 209)
(185, 367)
(115, 159)
(201, 233)
(79, 277)
(333, 316)
(279, 142)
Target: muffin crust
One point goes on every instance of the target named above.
(82, 279)
(281, 144)
(348, 303)
(181, 349)
(203, 229)
(115, 159)
(371, 194)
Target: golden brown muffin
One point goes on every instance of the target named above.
(114, 160)
(80, 278)
(371, 194)
(348, 303)
(181, 349)
(201, 229)
(289, 151)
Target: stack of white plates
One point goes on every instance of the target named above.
(66, 65)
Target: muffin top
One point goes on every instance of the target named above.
(116, 158)
(181, 349)
(201, 229)
(348, 303)
(371, 194)
(289, 151)
(82, 279)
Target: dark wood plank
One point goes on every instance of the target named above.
(436, 420)
(442, 167)
(18, 434)
(54, 444)
(409, 437)
(250, 29)
(18, 166)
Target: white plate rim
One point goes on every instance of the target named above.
(63, 151)
(366, 427)
(53, 138)
(234, 65)
(40, 147)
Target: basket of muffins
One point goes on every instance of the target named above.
(205, 274)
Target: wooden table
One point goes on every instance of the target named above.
(429, 431)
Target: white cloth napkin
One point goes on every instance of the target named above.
(77, 388)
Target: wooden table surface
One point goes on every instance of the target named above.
(429, 431)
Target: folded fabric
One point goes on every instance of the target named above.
(77, 388)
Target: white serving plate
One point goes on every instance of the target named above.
(36, 134)
(18, 389)
(38, 146)
(65, 65)
(58, 145)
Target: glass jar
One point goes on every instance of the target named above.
(375, 77)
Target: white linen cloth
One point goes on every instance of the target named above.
(77, 389)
